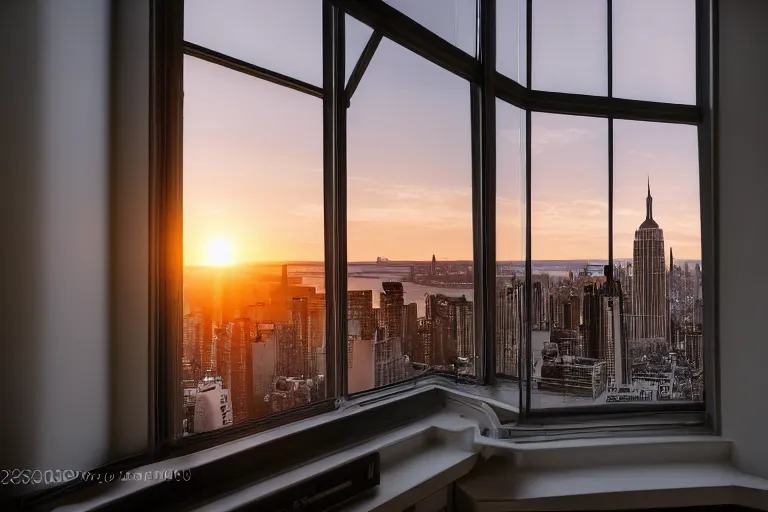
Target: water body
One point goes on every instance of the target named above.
(411, 292)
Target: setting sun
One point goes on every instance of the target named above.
(220, 253)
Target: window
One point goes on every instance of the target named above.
(453, 20)
(570, 46)
(341, 233)
(657, 257)
(254, 296)
(569, 251)
(251, 30)
(511, 39)
(409, 222)
(654, 50)
(510, 237)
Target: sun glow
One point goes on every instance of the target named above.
(220, 253)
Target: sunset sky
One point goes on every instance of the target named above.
(253, 150)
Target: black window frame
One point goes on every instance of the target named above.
(487, 84)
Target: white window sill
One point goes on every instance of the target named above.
(423, 457)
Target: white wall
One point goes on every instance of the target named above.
(73, 342)
(743, 229)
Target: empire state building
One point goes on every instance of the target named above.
(649, 280)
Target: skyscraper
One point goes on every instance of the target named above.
(649, 280)
(241, 368)
(391, 306)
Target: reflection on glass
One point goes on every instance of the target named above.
(569, 245)
(356, 36)
(254, 300)
(510, 237)
(281, 35)
(511, 39)
(654, 50)
(570, 46)
(453, 20)
(657, 264)
(409, 222)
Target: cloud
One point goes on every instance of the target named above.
(548, 136)
(629, 212)
(439, 195)
(427, 207)
(360, 179)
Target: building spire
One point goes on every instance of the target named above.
(671, 260)
(649, 202)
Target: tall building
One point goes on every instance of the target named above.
(241, 371)
(649, 279)
(264, 353)
(391, 309)
(433, 268)
(509, 313)
(538, 305)
(298, 318)
(611, 334)
(410, 329)
(389, 362)
(360, 307)
(291, 358)
(451, 322)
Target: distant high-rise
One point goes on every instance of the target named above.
(241, 368)
(508, 317)
(450, 319)
(391, 309)
(433, 268)
(360, 308)
(649, 279)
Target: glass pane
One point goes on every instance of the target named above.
(453, 20)
(280, 35)
(570, 46)
(511, 39)
(254, 302)
(356, 36)
(654, 50)
(409, 221)
(569, 246)
(510, 238)
(657, 249)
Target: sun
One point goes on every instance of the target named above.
(220, 253)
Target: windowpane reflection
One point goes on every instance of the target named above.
(569, 245)
(409, 222)
(254, 300)
(657, 263)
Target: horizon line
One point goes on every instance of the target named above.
(588, 261)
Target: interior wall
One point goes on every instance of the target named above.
(74, 140)
(743, 229)
(55, 257)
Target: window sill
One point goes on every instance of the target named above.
(609, 474)
(429, 435)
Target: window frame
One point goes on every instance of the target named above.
(486, 86)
